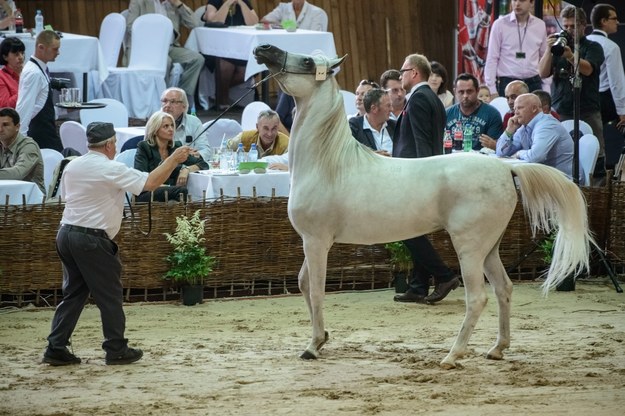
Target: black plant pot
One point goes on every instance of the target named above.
(400, 282)
(192, 294)
(567, 285)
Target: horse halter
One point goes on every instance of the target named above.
(321, 71)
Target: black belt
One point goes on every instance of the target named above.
(85, 230)
(535, 78)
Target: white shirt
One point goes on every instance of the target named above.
(32, 92)
(93, 188)
(192, 126)
(310, 18)
(382, 138)
(283, 158)
(612, 75)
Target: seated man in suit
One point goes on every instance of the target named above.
(534, 136)
(374, 129)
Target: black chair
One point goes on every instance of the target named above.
(131, 143)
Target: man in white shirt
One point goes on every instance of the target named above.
(304, 14)
(612, 76)
(390, 81)
(34, 102)
(94, 186)
(189, 128)
(374, 129)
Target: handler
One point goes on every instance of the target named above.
(93, 187)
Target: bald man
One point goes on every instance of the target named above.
(534, 136)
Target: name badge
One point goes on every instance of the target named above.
(520, 55)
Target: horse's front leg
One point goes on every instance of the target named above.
(312, 281)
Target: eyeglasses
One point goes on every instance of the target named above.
(165, 101)
(368, 82)
(401, 71)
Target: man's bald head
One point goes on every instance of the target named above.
(526, 107)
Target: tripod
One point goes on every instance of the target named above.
(577, 87)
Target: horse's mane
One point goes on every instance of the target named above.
(328, 134)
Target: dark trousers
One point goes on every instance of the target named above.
(90, 265)
(533, 84)
(608, 109)
(426, 263)
(165, 193)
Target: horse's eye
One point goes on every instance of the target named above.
(308, 62)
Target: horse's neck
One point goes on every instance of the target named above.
(320, 132)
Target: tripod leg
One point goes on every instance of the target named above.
(608, 267)
(535, 245)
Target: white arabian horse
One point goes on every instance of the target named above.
(343, 192)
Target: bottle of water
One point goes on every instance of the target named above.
(193, 112)
(467, 142)
(252, 155)
(38, 23)
(19, 21)
(241, 156)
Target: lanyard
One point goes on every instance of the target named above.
(522, 39)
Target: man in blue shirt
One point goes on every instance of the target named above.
(534, 136)
(482, 118)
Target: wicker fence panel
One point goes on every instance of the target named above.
(256, 245)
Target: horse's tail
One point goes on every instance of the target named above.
(552, 201)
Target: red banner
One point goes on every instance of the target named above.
(474, 21)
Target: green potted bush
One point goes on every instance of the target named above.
(189, 263)
(401, 264)
(546, 247)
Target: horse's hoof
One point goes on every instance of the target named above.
(307, 355)
(447, 365)
(495, 354)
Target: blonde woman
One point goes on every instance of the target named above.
(157, 146)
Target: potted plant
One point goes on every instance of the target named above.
(401, 264)
(546, 247)
(189, 263)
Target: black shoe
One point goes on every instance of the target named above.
(59, 357)
(409, 297)
(130, 355)
(442, 290)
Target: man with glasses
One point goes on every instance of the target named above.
(419, 133)
(612, 76)
(188, 127)
(391, 81)
(561, 66)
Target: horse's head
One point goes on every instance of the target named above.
(297, 74)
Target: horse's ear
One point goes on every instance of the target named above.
(337, 61)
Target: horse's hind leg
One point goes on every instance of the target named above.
(502, 286)
(312, 280)
(471, 265)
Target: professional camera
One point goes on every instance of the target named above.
(564, 39)
(60, 83)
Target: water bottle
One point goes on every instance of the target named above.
(447, 142)
(467, 142)
(19, 21)
(252, 155)
(193, 113)
(241, 155)
(38, 22)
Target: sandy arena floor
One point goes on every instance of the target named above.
(240, 357)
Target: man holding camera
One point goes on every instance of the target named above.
(34, 94)
(559, 62)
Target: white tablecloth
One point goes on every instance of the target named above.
(239, 42)
(123, 134)
(213, 183)
(15, 189)
(79, 54)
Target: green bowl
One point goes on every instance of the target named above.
(248, 166)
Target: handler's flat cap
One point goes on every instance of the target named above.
(99, 131)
